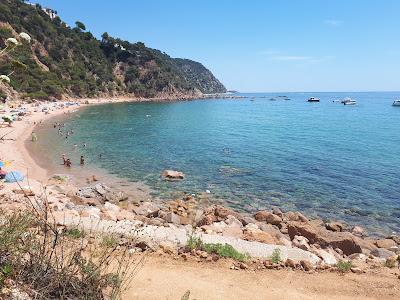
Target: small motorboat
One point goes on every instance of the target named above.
(349, 101)
(396, 103)
(313, 99)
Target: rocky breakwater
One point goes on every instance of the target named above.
(300, 242)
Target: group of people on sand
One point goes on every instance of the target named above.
(67, 161)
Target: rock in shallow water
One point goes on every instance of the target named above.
(173, 175)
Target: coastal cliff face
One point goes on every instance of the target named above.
(71, 62)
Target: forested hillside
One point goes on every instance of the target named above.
(64, 61)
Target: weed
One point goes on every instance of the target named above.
(276, 256)
(194, 243)
(109, 241)
(343, 266)
(75, 233)
(223, 250)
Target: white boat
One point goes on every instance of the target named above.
(349, 101)
(313, 99)
(396, 103)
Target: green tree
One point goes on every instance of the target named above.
(80, 25)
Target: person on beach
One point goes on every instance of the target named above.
(82, 160)
(2, 173)
(64, 159)
(68, 163)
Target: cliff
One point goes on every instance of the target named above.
(64, 61)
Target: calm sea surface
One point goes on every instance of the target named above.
(326, 159)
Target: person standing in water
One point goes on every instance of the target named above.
(68, 163)
(34, 136)
(82, 160)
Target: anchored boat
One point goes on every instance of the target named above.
(396, 103)
(349, 101)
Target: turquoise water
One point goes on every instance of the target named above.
(324, 159)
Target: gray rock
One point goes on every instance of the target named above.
(101, 189)
(147, 209)
(172, 218)
(86, 192)
(116, 197)
(382, 253)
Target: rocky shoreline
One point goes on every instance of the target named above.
(302, 243)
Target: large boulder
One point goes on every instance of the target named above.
(345, 241)
(294, 216)
(382, 253)
(255, 234)
(268, 217)
(115, 197)
(147, 209)
(86, 192)
(334, 226)
(385, 243)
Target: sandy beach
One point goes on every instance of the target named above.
(14, 150)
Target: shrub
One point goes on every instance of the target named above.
(75, 233)
(54, 263)
(276, 256)
(194, 242)
(343, 266)
(223, 250)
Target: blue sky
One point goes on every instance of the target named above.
(262, 45)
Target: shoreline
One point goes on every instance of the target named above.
(304, 243)
(25, 160)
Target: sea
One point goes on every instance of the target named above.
(325, 159)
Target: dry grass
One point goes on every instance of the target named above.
(54, 262)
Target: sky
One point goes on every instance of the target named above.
(261, 45)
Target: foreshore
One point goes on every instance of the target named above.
(304, 244)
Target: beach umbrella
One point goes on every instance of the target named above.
(14, 176)
(2, 164)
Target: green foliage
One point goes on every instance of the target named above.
(223, 250)
(276, 256)
(109, 241)
(194, 242)
(74, 233)
(75, 63)
(5, 272)
(80, 25)
(344, 266)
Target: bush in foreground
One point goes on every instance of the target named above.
(49, 262)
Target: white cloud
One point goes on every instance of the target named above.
(291, 57)
(281, 56)
(333, 23)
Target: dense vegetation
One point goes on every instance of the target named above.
(71, 61)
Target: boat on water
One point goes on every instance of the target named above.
(396, 103)
(349, 101)
(313, 99)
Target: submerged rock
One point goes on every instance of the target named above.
(173, 175)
